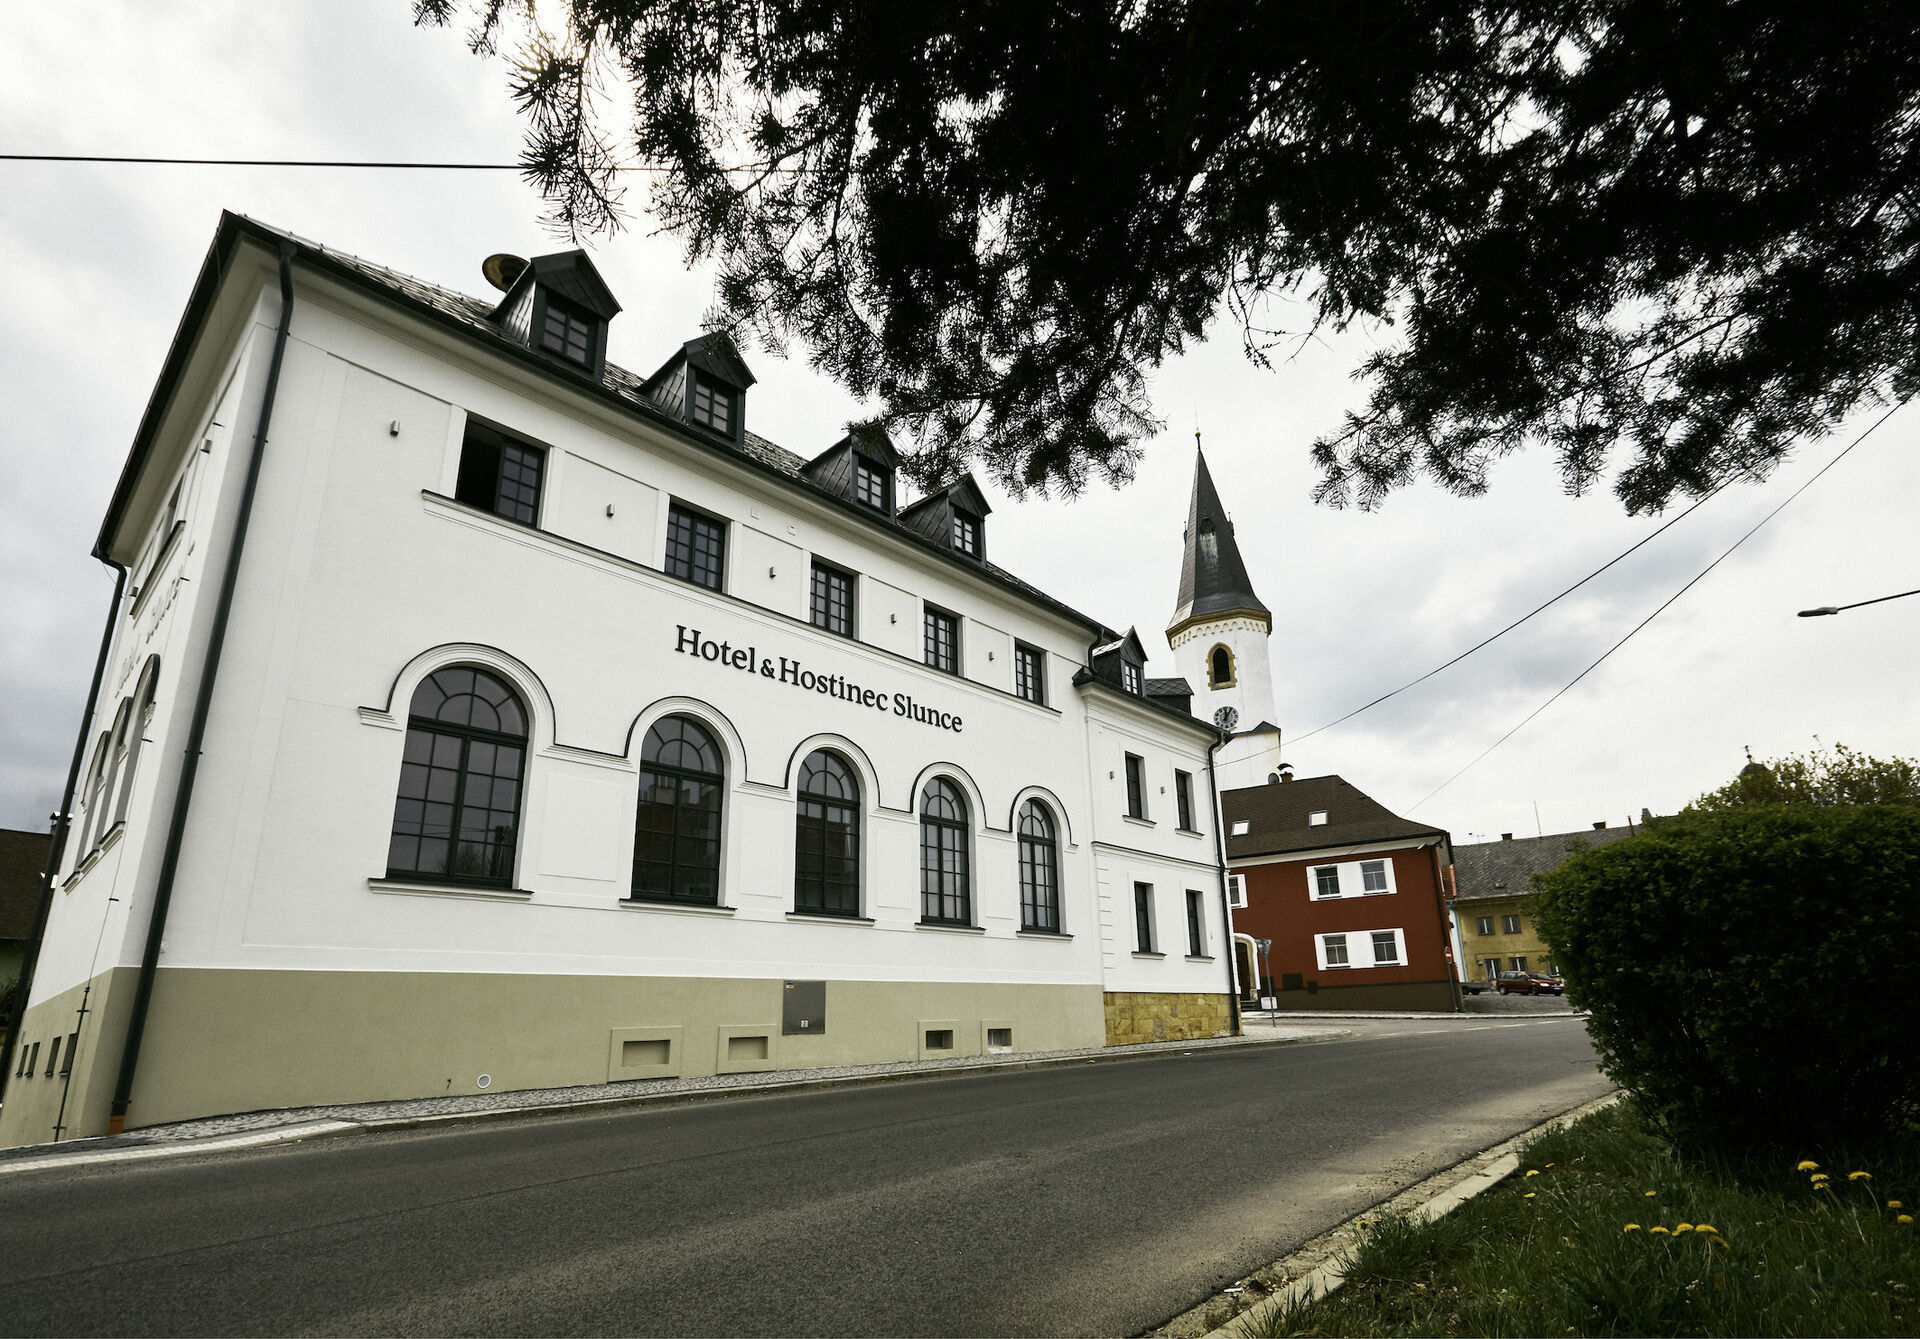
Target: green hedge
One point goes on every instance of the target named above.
(1751, 974)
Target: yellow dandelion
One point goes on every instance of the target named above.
(1720, 1241)
(1895, 1204)
(1706, 1227)
(1808, 1167)
(1818, 1177)
(1659, 1232)
(1649, 1194)
(1549, 1164)
(1631, 1227)
(1529, 1195)
(1859, 1176)
(1904, 1218)
(1531, 1172)
(1682, 1227)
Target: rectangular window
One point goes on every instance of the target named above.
(1317, 819)
(1519, 964)
(1143, 916)
(1386, 948)
(1239, 828)
(53, 1055)
(1490, 968)
(696, 547)
(1373, 876)
(1029, 674)
(712, 405)
(73, 1044)
(942, 640)
(1510, 924)
(832, 607)
(1130, 677)
(1236, 890)
(500, 474)
(566, 332)
(1326, 881)
(1196, 925)
(1333, 950)
(869, 484)
(1485, 925)
(966, 534)
(1183, 798)
(1136, 786)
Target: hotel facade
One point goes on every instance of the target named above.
(478, 714)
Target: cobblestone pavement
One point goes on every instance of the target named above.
(1493, 1003)
(528, 1098)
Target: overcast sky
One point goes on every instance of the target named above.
(101, 260)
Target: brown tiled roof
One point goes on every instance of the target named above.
(1276, 817)
(1506, 868)
(23, 859)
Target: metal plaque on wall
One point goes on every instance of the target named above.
(803, 1011)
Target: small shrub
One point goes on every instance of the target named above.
(1750, 973)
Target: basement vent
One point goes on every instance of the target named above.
(656, 1052)
(999, 1039)
(940, 1039)
(746, 1048)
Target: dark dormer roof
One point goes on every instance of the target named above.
(718, 356)
(1176, 693)
(1105, 659)
(573, 277)
(1277, 817)
(832, 469)
(932, 515)
(1213, 579)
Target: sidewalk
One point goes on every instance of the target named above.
(214, 1134)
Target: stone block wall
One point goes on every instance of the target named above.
(1142, 1016)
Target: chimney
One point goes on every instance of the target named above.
(1600, 825)
(1506, 836)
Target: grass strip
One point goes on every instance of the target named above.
(1606, 1230)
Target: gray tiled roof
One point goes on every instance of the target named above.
(1276, 816)
(1169, 688)
(477, 315)
(1504, 868)
(23, 859)
(1213, 578)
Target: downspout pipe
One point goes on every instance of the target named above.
(56, 849)
(197, 731)
(1226, 903)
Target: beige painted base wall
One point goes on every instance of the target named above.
(1140, 1016)
(229, 1041)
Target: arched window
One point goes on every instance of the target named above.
(1039, 869)
(457, 817)
(1220, 668)
(136, 735)
(94, 796)
(945, 891)
(676, 836)
(826, 841)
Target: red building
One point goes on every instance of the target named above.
(1351, 894)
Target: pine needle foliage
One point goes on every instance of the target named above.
(1657, 234)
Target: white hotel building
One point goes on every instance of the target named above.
(479, 714)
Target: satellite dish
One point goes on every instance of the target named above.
(502, 268)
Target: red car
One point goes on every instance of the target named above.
(1529, 983)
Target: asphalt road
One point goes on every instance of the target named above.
(1092, 1199)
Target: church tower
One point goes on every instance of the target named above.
(1219, 638)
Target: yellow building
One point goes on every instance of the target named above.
(1493, 898)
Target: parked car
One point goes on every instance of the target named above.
(1472, 986)
(1529, 983)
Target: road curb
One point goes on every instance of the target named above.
(325, 1129)
(1319, 1266)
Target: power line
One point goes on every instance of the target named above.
(270, 162)
(1708, 497)
(1663, 607)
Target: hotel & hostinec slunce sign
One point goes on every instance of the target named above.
(785, 670)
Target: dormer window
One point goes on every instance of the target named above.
(870, 484)
(966, 534)
(713, 406)
(1130, 677)
(567, 331)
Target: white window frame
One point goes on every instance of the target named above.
(1352, 879)
(1348, 938)
(1399, 948)
(1237, 891)
(1510, 925)
(1239, 828)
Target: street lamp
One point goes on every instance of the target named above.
(1836, 608)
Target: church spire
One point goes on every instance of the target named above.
(1213, 579)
